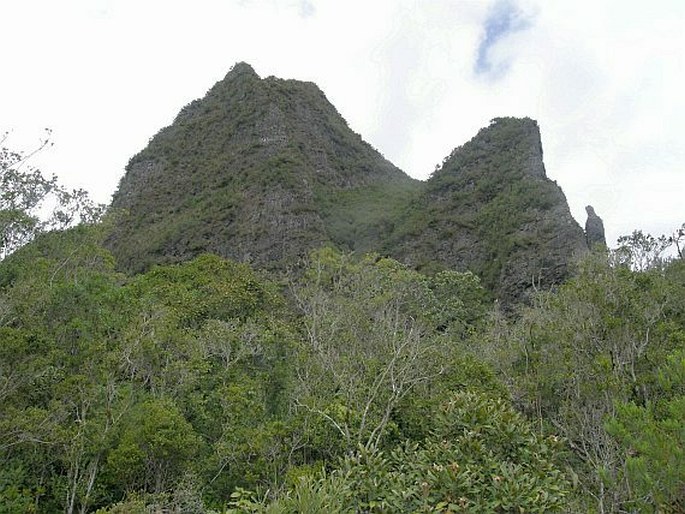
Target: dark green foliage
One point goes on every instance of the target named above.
(110, 386)
(206, 288)
(480, 456)
(592, 354)
(365, 387)
(155, 445)
(177, 387)
(653, 436)
(356, 383)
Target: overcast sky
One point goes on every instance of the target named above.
(605, 79)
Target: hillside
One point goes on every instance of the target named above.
(490, 208)
(260, 170)
(369, 387)
(265, 170)
(356, 382)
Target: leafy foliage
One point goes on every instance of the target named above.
(111, 387)
(375, 331)
(654, 438)
(24, 193)
(176, 388)
(356, 383)
(480, 456)
(589, 355)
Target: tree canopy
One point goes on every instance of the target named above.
(353, 384)
(31, 203)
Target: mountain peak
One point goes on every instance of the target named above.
(258, 170)
(241, 68)
(517, 137)
(264, 170)
(495, 212)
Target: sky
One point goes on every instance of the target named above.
(605, 79)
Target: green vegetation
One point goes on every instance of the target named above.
(598, 363)
(345, 381)
(475, 460)
(30, 203)
(490, 208)
(357, 219)
(358, 386)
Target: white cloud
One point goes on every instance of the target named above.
(493, 55)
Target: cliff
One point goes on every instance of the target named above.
(259, 170)
(490, 208)
(264, 170)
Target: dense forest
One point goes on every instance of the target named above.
(348, 381)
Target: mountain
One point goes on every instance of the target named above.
(264, 170)
(490, 208)
(259, 170)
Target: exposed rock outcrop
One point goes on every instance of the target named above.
(594, 229)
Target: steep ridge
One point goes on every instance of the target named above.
(259, 170)
(490, 208)
(264, 170)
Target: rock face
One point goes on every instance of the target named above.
(594, 229)
(259, 170)
(264, 170)
(490, 208)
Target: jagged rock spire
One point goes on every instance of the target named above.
(594, 229)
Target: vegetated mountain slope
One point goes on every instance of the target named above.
(264, 170)
(259, 170)
(490, 208)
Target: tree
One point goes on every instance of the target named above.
(677, 238)
(375, 331)
(156, 446)
(60, 394)
(653, 436)
(112, 384)
(582, 351)
(480, 456)
(641, 251)
(30, 203)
